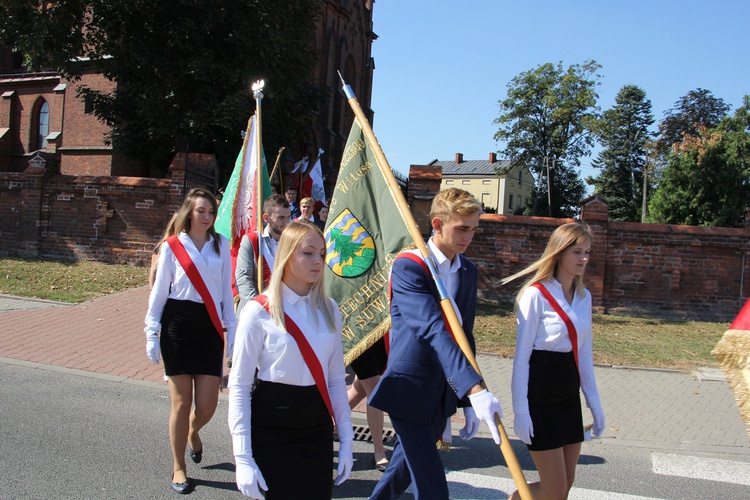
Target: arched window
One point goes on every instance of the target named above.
(43, 129)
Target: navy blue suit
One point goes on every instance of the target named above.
(426, 376)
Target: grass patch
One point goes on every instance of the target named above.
(67, 281)
(618, 340)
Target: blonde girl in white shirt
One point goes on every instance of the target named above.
(282, 432)
(546, 377)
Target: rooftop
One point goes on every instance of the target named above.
(459, 166)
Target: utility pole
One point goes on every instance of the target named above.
(631, 161)
(539, 186)
(549, 187)
(645, 184)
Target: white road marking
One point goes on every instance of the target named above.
(710, 469)
(468, 486)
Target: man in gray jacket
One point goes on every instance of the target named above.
(276, 216)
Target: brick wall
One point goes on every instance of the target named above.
(110, 219)
(686, 272)
(669, 271)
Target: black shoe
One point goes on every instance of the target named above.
(181, 488)
(195, 456)
(382, 465)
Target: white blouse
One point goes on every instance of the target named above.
(539, 327)
(262, 344)
(171, 282)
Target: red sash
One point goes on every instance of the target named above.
(572, 333)
(421, 262)
(196, 279)
(313, 364)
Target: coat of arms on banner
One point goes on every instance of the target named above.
(350, 248)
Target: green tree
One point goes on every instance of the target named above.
(698, 108)
(623, 132)
(183, 68)
(707, 179)
(547, 119)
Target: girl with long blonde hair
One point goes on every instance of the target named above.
(282, 429)
(554, 360)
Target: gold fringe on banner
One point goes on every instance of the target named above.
(733, 354)
(364, 344)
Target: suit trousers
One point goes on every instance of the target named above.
(415, 459)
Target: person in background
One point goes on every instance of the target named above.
(291, 196)
(367, 368)
(323, 214)
(306, 206)
(180, 329)
(276, 215)
(428, 375)
(554, 360)
(282, 432)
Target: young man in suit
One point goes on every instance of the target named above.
(427, 375)
(291, 197)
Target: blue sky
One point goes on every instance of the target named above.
(442, 66)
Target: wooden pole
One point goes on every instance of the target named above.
(445, 302)
(275, 166)
(257, 141)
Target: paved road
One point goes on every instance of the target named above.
(658, 411)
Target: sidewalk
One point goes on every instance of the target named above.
(657, 409)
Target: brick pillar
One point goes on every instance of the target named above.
(177, 177)
(424, 184)
(32, 219)
(595, 213)
(5, 108)
(57, 114)
(6, 114)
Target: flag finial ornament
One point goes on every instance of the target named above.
(258, 89)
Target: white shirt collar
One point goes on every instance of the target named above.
(290, 296)
(184, 237)
(442, 261)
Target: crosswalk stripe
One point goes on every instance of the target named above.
(710, 469)
(468, 486)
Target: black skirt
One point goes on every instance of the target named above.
(292, 441)
(554, 400)
(371, 362)
(190, 344)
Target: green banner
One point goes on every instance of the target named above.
(364, 233)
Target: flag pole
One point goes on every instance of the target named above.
(445, 302)
(275, 166)
(258, 95)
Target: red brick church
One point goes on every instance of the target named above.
(40, 113)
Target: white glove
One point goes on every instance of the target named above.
(598, 421)
(153, 349)
(472, 424)
(523, 428)
(248, 477)
(486, 405)
(346, 461)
